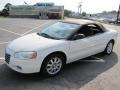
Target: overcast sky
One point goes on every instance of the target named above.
(89, 6)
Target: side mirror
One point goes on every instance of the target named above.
(78, 36)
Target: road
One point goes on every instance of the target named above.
(98, 72)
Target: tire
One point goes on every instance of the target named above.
(52, 65)
(109, 48)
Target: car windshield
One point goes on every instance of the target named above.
(59, 30)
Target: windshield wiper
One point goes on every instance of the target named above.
(46, 35)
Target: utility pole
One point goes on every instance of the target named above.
(118, 14)
(80, 8)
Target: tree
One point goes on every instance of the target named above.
(7, 6)
(113, 11)
(84, 14)
(67, 12)
(5, 11)
(0, 13)
(104, 12)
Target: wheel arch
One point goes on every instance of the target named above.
(42, 68)
(112, 40)
(55, 52)
(58, 52)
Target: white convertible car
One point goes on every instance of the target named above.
(59, 44)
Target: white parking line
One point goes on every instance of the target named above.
(118, 36)
(10, 31)
(3, 42)
(100, 59)
(35, 28)
(2, 58)
(17, 25)
(95, 59)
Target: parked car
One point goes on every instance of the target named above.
(102, 19)
(64, 42)
(112, 20)
(118, 21)
(93, 18)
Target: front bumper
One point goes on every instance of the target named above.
(24, 66)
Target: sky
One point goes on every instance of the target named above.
(89, 6)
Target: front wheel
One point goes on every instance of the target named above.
(52, 65)
(109, 48)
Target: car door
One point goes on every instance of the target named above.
(79, 49)
(98, 39)
(87, 46)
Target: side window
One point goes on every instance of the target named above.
(95, 28)
(89, 30)
(86, 31)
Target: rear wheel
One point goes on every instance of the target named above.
(52, 65)
(109, 48)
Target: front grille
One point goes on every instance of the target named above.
(7, 58)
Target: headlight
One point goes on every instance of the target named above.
(25, 55)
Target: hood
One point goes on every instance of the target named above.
(32, 42)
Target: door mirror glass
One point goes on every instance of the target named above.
(78, 36)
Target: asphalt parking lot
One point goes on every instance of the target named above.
(94, 73)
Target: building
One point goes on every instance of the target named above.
(39, 10)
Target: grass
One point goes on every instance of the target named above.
(2, 17)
